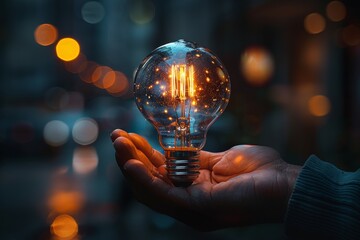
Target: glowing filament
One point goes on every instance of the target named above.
(182, 82)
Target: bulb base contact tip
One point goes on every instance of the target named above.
(182, 166)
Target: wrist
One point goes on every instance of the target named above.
(291, 172)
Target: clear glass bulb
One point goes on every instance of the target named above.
(181, 89)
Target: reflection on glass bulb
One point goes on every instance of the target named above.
(181, 90)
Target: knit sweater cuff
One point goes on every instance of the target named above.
(325, 203)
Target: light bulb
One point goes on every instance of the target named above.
(181, 89)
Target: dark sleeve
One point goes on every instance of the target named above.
(325, 203)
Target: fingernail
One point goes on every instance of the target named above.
(125, 166)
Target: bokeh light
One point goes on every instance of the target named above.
(66, 201)
(76, 101)
(351, 35)
(336, 11)
(120, 85)
(109, 79)
(87, 73)
(45, 34)
(56, 97)
(85, 131)
(77, 65)
(64, 227)
(256, 65)
(141, 11)
(314, 23)
(56, 133)
(67, 49)
(93, 12)
(319, 105)
(85, 160)
(99, 74)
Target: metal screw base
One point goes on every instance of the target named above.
(182, 166)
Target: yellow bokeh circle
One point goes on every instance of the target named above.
(67, 49)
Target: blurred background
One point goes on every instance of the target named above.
(66, 83)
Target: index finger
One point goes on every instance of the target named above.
(156, 158)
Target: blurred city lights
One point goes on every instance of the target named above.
(313, 54)
(56, 133)
(77, 65)
(319, 105)
(93, 12)
(351, 35)
(75, 100)
(45, 34)
(109, 79)
(314, 23)
(141, 11)
(256, 65)
(67, 49)
(56, 97)
(64, 227)
(336, 11)
(99, 74)
(86, 74)
(85, 160)
(120, 85)
(66, 201)
(85, 131)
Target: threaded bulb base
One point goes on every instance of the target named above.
(182, 166)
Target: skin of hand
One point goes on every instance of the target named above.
(241, 186)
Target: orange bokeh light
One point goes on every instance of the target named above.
(45, 34)
(109, 79)
(257, 65)
(86, 74)
(66, 202)
(77, 65)
(98, 75)
(336, 11)
(120, 85)
(319, 105)
(314, 23)
(67, 49)
(64, 227)
(351, 35)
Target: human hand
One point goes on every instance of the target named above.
(241, 186)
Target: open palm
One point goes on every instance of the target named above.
(243, 185)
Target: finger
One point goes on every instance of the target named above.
(240, 159)
(209, 159)
(118, 133)
(221, 178)
(163, 173)
(163, 197)
(152, 190)
(143, 145)
(125, 150)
